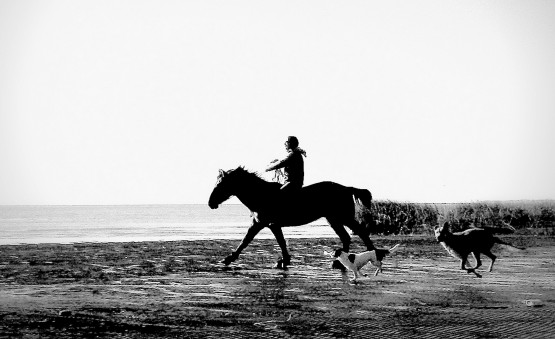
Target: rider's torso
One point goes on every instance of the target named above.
(294, 170)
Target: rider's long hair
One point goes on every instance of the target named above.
(294, 144)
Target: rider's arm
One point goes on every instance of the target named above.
(279, 164)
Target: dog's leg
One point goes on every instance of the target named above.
(492, 257)
(468, 270)
(476, 256)
(378, 269)
(355, 276)
(463, 263)
(477, 259)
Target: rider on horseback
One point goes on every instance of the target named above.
(332, 201)
(293, 166)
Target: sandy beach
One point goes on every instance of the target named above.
(179, 289)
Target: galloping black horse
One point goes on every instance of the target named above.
(270, 208)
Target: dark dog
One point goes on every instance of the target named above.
(473, 240)
(355, 261)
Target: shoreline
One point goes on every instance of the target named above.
(265, 234)
(535, 239)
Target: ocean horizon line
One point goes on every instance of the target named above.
(240, 204)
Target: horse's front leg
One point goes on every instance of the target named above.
(286, 258)
(253, 230)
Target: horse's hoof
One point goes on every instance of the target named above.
(286, 261)
(282, 263)
(229, 259)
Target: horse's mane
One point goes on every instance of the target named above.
(248, 174)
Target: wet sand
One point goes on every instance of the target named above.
(179, 289)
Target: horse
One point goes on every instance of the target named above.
(275, 209)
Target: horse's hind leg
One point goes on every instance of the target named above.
(286, 258)
(345, 239)
(363, 233)
(342, 233)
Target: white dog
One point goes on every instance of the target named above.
(355, 261)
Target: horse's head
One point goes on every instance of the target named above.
(223, 190)
(247, 186)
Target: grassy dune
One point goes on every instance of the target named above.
(390, 217)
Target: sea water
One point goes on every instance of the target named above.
(71, 224)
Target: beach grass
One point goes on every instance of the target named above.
(392, 217)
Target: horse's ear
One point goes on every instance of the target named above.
(222, 173)
(445, 225)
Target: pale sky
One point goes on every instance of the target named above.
(140, 102)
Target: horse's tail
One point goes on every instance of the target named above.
(362, 196)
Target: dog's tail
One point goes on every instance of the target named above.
(506, 229)
(382, 252)
(394, 248)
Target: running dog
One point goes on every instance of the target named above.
(472, 240)
(355, 261)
